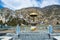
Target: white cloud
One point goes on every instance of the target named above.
(18, 4)
(49, 2)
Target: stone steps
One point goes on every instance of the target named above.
(34, 36)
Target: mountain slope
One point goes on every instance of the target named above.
(50, 13)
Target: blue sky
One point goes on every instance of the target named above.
(19, 4)
(1, 4)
